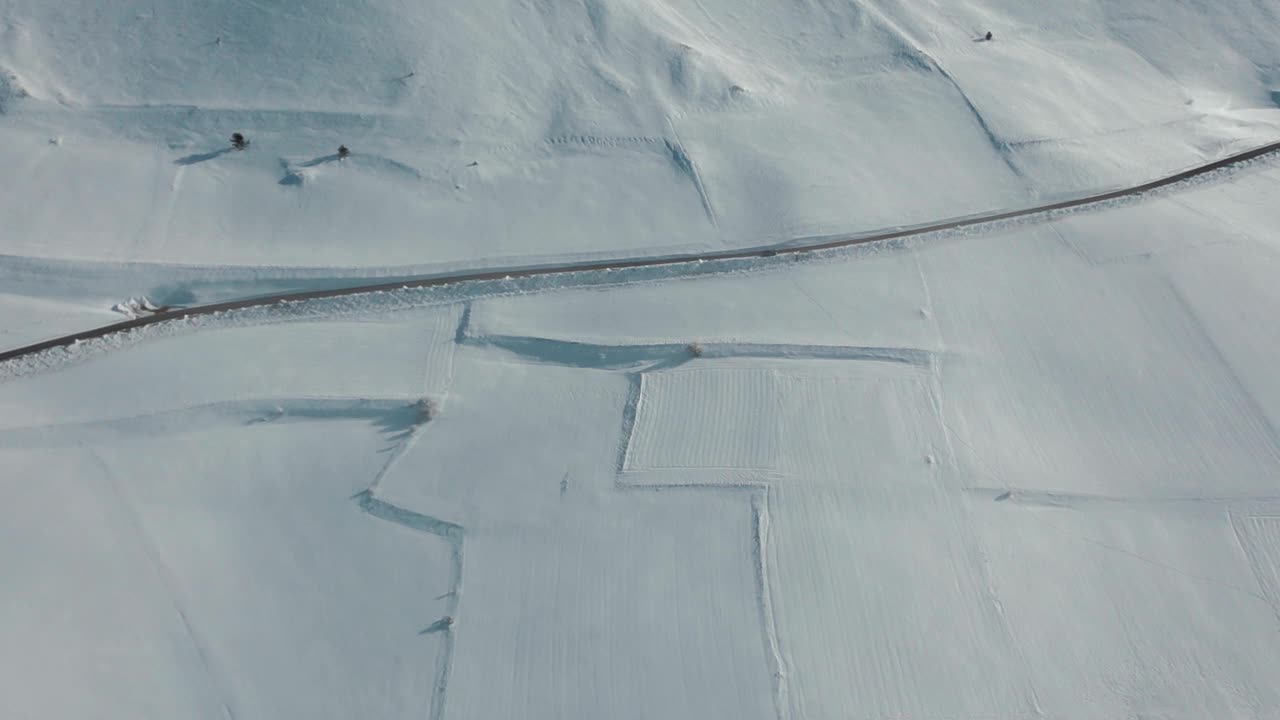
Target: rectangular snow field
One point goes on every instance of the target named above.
(644, 606)
(883, 610)
(858, 424)
(718, 418)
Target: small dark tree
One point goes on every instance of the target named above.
(238, 142)
(343, 151)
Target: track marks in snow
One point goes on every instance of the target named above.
(1149, 561)
(166, 579)
(646, 364)
(447, 327)
(1083, 501)
(646, 142)
(880, 663)
(694, 419)
(757, 490)
(522, 535)
(1259, 537)
(667, 404)
(1256, 415)
(1105, 583)
(1084, 138)
(672, 146)
(214, 120)
(733, 425)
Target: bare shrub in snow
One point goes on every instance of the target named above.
(427, 410)
(10, 89)
(694, 349)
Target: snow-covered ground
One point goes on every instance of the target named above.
(1024, 470)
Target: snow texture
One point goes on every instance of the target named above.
(1026, 470)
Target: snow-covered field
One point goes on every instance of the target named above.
(1024, 470)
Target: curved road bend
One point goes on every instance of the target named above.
(823, 243)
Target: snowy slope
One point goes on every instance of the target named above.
(1024, 470)
(1027, 473)
(594, 128)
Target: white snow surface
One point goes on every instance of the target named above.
(1028, 470)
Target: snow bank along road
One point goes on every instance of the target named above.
(804, 245)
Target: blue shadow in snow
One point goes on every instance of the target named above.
(201, 157)
(293, 177)
(440, 625)
(323, 159)
(583, 355)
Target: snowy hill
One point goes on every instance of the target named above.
(670, 124)
(1025, 470)
(516, 134)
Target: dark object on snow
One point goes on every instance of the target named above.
(343, 151)
(238, 142)
(988, 35)
(440, 625)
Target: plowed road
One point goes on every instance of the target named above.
(804, 245)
